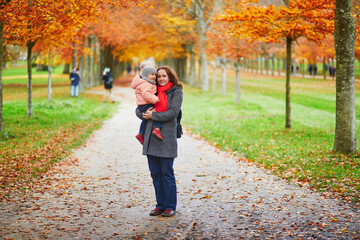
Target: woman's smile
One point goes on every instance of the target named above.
(162, 77)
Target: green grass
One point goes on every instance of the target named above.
(255, 130)
(30, 146)
(21, 70)
(18, 75)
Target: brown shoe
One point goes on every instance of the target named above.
(168, 213)
(156, 212)
(157, 133)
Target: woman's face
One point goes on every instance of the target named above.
(162, 77)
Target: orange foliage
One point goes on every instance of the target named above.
(48, 20)
(312, 19)
(313, 52)
(231, 46)
(143, 30)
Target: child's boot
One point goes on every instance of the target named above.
(157, 133)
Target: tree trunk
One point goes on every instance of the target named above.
(98, 63)
(183, 67)
(180, 68)
(267, 65)
(39, 67)
(344, 36)
(257, 64)
(223, 74)
(74, 58)
(261, 64)
(273, 64)
(324, 68)
(287, 97)
(237, 69)
(199, 72)
(49, 79)
(252, 65)
(66, 68)
(192, 79)
(92, 62)
(1, 68)
(303, 68)
(202, 29)
(30, 46)
(279, 63)
(87, 64)
(284, 63)
(214, 75)
(81, 72)
(205, 72)
(102, 64)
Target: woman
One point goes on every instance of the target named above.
(161, 153)
(108, 84)
(75, 80)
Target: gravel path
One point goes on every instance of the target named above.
(108, 194)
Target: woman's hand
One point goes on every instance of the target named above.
(148, 113)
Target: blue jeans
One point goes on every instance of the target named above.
(162, 174)
(143, 108)
(75, 90)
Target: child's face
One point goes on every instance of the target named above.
(152, 76)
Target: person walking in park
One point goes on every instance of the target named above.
(108, 84)
(145, 89)
(310, 69)
(332, 72)
(161, 154)
(315, 69)
(75, 80)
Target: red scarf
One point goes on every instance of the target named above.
(161, 105)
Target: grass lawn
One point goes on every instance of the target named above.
(255, 129)
(29, 146)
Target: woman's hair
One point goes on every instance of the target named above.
(172, 75)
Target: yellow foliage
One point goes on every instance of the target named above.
(43, 59)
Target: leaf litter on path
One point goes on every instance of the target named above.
(108, 194)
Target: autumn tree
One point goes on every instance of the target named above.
(345, 35)
(2, 20)
(218, 42)
(156, 33)
(43, 20)
(236, 50)
(269, 23)
(201, 11)
(310, 51)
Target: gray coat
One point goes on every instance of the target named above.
(166, 148)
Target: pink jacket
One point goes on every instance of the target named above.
(144, 91)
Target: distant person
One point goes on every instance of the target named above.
(75, 80)
(315, 69)
(128, 69)
(332, 72)
(108, 84)
(136, 68)
(145, 89)
(310, 69)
